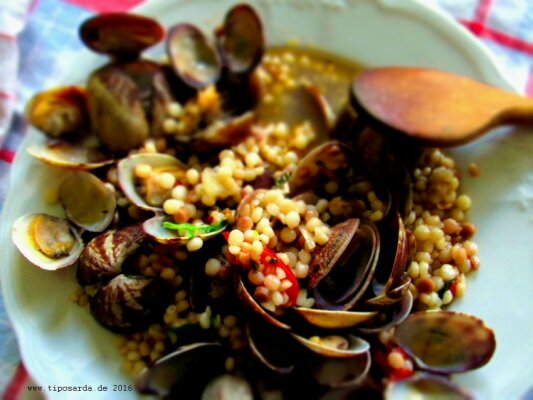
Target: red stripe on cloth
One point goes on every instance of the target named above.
(106, 5)
(7, 36)
(7, 95)
(482, 11)
(7, 155)
(17, 384)
(499, 37)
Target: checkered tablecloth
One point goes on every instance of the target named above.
(34, 32)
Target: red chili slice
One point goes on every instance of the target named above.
(271, 261)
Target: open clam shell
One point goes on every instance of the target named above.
(329, 161)
(446, 341)
(154, 228)
(393, 314)
(122, 35)
(389, 282)
(277, 355)
(426, 386)
(192, 56)
(301, 104)
(46, 241)
(69, 155)
(241, 41)
(346, 282)
(335, 346)
(183, 373)
(340, 372)
(334, 319)
(127, 180)
(249, 300)
(59, 112)
(88, 202)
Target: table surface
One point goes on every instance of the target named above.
(33, 33)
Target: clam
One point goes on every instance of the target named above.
(46, 241)
(143, 73)
(117, 115)
(426, 386)
(277, 355)
(183, 373)
(301, 104)
(120, 35)
(154, 195)
(194, 60)
(88, 202)
(59, 112)
(390, 282)
(70, 155)
(445, 341)
(179, 233)
(390, 315)
(222, 133)
(104, 256)
(340, 372)
(131, 302)
(329, 161)
(241, 41)
(335, 346)
(248, 299)
(342, 269)
(336, 319)
(228, 387)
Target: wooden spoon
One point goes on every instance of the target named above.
(437, 107)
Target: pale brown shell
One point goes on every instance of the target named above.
(68, 155)
(22, 238)
(87, 201)
(446, 341)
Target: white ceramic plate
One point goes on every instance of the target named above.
(62, 345)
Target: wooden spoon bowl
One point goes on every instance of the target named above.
(436, 107)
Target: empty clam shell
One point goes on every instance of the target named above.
(277, 354)
(192, 57)
(336, 319)
(335, 346)
(127, 179)
(88, 202)
(394, 257)
(183, 373)
(302, 104)
(446, 341)
(241, 40)
(122, 35)
(70, 155)
(425, 386)
(46, 241)
(392, 314)
(341, 372)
